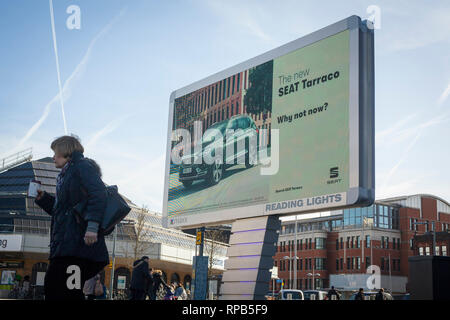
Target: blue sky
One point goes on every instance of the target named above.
(119, 69)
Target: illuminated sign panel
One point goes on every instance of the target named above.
(286, 132)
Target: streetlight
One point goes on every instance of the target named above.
(313, 275)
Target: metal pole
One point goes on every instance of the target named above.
(111, 282)
(434, 238)
(273, 288)
(290, 269)
(202, 230)
(390, 274)
(295, 254)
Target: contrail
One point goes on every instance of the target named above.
(55, 48)
(444, 95)
(66, 88)
(110, 127)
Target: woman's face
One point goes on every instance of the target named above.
(59, 160)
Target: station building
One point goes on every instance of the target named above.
(25, 236)
(337, 249)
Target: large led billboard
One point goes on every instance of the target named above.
(289, 131)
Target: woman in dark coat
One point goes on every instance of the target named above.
(157, 282)
(77, 250)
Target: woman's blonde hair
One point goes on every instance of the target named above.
(66, 145)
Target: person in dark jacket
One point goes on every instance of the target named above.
(380, 295)
(360, 294)
(139, 279)
(332, 292)
(149, 286)
(158, 281)
(77, 249)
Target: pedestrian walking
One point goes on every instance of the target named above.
(89, 287)
(139, 279)
(360, 294)
(149, 286)
(26, 287)
(169, 293)
(380, 295)
(100, 290)
(332, 292)
(158, 282)
(180, 293)
(77, 249)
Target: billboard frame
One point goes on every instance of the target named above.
(361, 191)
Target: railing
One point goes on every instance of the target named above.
(16, 159)
(11, 228)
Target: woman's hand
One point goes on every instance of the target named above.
(39, 195)
(90, 238)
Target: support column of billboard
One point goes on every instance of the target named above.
(250, 257)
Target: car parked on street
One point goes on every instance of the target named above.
(290, 294)
(315, 294)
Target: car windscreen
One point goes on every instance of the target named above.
(210, 134)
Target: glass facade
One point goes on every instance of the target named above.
(377, 215)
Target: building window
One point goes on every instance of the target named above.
(342, 243)
(411, 244)
(337, 264)
(320, 243)
(337, 244)
(341, 262)
(353, 241)
(444, 250)
(348, 242)
(358, 244)
(358, 263)
(238, 81)
(367, 241)
(232, 88)
(427, 251)
(382, 263)
(348, 263)
(421, 251)
(319, 263)
(310, 243)
(367, 262)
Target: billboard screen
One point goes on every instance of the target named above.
(286, 132)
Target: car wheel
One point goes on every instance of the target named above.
(187, 184)
(215, 173)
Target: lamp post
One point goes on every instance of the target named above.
(313, 275)
(295, 254)
(290, 268)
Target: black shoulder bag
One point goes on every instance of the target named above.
(116, 210)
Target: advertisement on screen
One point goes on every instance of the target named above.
(275, 138)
